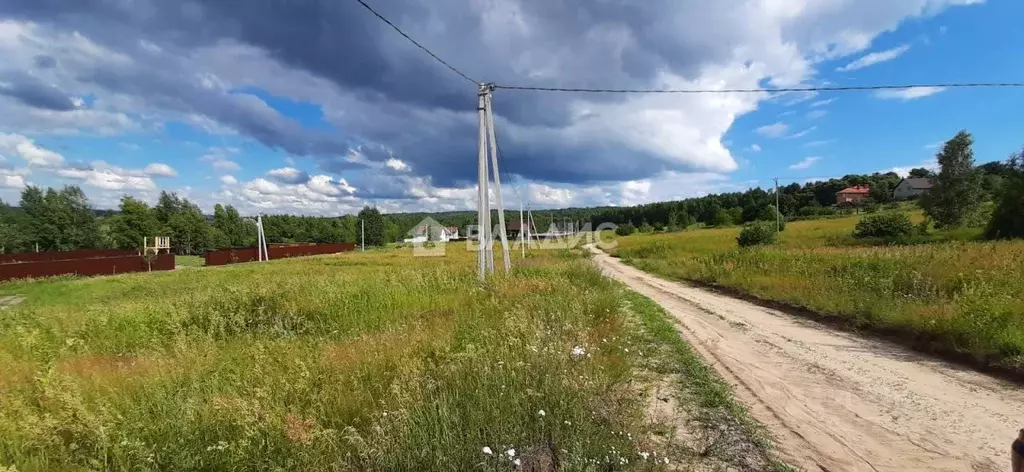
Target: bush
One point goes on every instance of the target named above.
(756, 234)
(625, 229)
(884, 225)
(1008, 217)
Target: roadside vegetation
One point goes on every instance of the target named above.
(363, 361)
(929, 276)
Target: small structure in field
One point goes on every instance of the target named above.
(852, 196)
(912, 188)
(430, 230)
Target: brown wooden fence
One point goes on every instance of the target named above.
(248, 254)
(64, 255)
(88, 266)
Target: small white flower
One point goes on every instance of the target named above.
(578, 352)
(488, 451)
(665, 460)
(511, 452)
(568, 423)
(541, 413)
(516, 462)
(645, 455)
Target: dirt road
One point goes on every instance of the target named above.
(838, 402)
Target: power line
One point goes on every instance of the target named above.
(406, 36)
(760, 90)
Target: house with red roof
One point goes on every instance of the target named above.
(852, 195)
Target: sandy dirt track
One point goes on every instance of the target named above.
(835, 401)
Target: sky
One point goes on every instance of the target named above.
(317, 107)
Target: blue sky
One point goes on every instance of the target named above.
(324, 109)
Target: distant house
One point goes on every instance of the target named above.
(430, 230)
(449, 233)
(852, 195)
(912, 188)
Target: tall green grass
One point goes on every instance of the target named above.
(964, 296)
(364, 361)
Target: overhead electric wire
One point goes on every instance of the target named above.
(768, 90)
(406, 36)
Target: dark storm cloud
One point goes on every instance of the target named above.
(33, 92)
(289, 176)
(606, 44)
(43, 61)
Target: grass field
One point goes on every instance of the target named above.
(362, 361)
(190, 261)
(962, 296)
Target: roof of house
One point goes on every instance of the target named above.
(920, 183)
(451, 229)
(856, 189)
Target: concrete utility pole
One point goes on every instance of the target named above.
(778, 225)
(497, 184)
(488, 142)
(522, 240)
(482, 207)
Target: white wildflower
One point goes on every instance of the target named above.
(665, 460)
(578, 352)
(645, 455)
(541, 413)
(511, 452)
(517, 462)
(488, 451)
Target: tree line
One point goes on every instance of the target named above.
(63, 219)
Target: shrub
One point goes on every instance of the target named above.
(884, 225)
(1008, 217)
(625, 229)
(758, 233)
(646, 228)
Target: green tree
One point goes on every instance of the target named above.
(188, 229)
(33, 203)
(233, 230)
(12, 237)
(1008, 217)
(135, 222)
(921, 173)
(59, 220)
(374, 224)
(955, 195)
(722, 218)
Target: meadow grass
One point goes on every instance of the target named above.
(190, 261)
(361, 361)
(959, 295)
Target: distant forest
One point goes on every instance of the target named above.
(63, 219)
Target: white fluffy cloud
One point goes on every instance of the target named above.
(12, 178)
(33, 154)
(158, 169)
(875, 58)
(396, 165)
(218, 158)
(805, 163)
(775, 130)
(909, 94)
(104, 176)
(228, 180)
